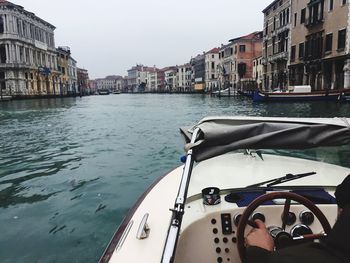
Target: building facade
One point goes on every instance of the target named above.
(211, 69)
(184, 78)
(198, 73)
(320, 44)
(245, 50)
(171, 83)
(111, 83)
(28, 65)
(67, 80)
(276, 44)
(151, 79)
(137, 78)
(258, 70)
(225, 67)
(83, 82)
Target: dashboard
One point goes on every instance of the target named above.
(209, 232)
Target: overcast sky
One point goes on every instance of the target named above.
(108, 37)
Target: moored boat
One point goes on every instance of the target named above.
(238, 169)
(224, 93)
(246, 93)
(103, 92)
(5, 98)
(322, 95)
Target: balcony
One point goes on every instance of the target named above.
(282, 56)
(282, 29)
(309, 23)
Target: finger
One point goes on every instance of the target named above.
(260, 224)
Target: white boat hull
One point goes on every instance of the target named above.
(197, 237)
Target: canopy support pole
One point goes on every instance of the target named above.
(178, 210)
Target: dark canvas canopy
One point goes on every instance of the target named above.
(224, 134)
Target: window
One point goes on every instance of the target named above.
(330, 5)
(341, 38)
(295, 19)
(2, 54)
(212, 65)
(343, 2)
(2, 80)
(242, 48)
(292, 54)
(302, 16)
(329, 40)
(301, 50)
(1, 25)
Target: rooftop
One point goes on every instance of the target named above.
(12, 6)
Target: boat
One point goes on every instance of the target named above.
(300, 93)
(247, 93)
(283, 171)
(103, 92)
(224, 93)
(5, 98)
(117, 92)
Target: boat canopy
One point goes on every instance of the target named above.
(219, 135)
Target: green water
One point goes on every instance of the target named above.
(71, 168)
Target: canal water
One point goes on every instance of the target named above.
(71, 168)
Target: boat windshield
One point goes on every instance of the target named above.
(337, 155)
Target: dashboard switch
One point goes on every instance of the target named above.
(226, 223)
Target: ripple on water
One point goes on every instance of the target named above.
(71, 168)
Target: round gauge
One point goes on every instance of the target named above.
(291, 219)
(257, 216)
(300, 230)
(236, 219)
(306, 217)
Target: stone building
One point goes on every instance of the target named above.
(258, 70)
(28, 65)
(171, 83)
(111, 83)
(245, 49)
(92, 87)
(160, 80)
(137, 79)
(211, 69)
(319, 54)
(184, 78)
(67, 67)
(276, 44)
(151, 79)
(198, 72)
(225, 67)
(84, 82)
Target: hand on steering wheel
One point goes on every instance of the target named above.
(260, 237)
(261, 227)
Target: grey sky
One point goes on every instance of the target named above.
(109, 36)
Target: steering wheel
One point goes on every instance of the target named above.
(271, 196)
